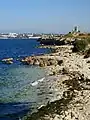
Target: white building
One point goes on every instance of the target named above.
(75, 29)
(12, 35)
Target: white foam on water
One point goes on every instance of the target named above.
(41, 80)
(34, 83)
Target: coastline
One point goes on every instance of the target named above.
(71, 85)
(15, 78)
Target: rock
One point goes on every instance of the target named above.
(54, 72)
(57, 117)
(48, 63)
(31, 62)
(42, 64)
(28, 61)
(36, 62)
(60, 62)
(65, 70)
(7, 60)
(52, 61)
(88, 61)
(68, 94)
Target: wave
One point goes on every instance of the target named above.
(41, 80)
(36, 82)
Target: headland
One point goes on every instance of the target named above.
(69, 65)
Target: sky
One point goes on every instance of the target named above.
(44, 16)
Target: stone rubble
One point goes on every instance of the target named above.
(73, 85)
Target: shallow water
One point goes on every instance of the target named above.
(18, 83)
(18, 89)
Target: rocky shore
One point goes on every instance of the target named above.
(72, 72)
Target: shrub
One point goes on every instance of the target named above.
(87, 53)
(88, 40)
(69, 35)
(80, 45)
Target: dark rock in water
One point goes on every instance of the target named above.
(7, 59)
(9, 62)
(27, 61)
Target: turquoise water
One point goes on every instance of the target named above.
(18, 91)
(16, 84)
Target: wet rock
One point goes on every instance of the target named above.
(28, 61)
(42, 64)
(36, 62)
(7, 60)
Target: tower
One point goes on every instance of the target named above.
(75, 29)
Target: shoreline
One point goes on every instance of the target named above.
(73, 81)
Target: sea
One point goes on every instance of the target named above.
(18, 83)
